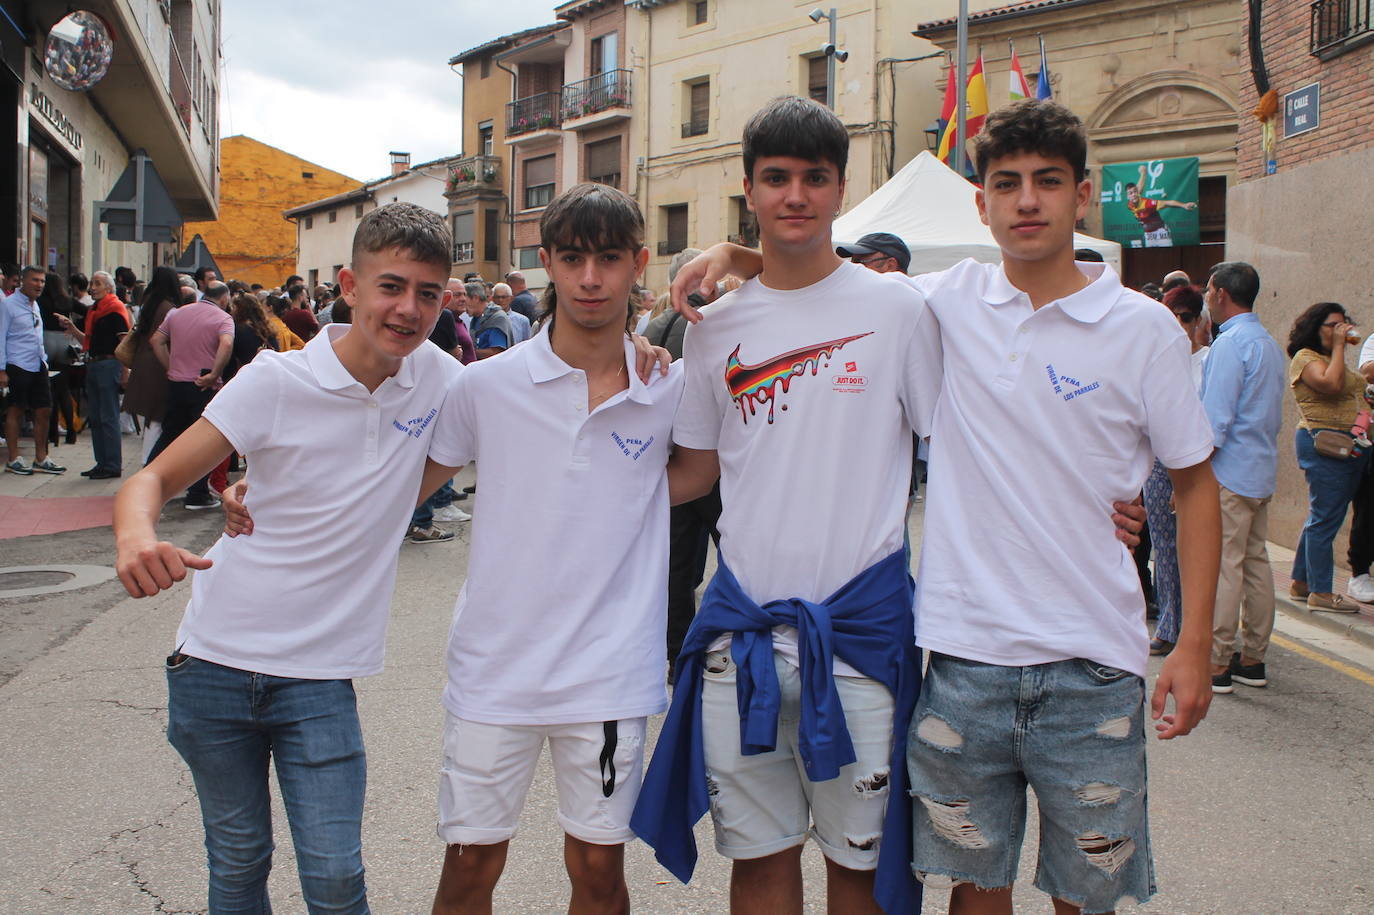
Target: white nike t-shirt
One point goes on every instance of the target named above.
(810, 397)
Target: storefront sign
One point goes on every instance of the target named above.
(54, 116)
(1151, 204)
(1302, 110)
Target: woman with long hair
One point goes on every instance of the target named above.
(53, 301)
(1186, 304)
(145, 393)
(1329, 397)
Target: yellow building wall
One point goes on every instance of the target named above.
(251, 241)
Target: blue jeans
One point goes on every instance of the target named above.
(1159, 489)
(423, 516)
(1331, 484)
(1072, 730)
(102, 413)
(227, 724)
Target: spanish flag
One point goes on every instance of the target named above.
(976, 107)
(977, 97)
(947, 116)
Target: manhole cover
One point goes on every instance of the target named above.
(28, 581)
(14, 581)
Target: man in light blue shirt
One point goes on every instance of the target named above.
(1242, 391)
(519, 324)
(24, 373)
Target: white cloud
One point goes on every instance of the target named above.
(341, 85)
(349, 132)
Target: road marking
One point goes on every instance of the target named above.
(1349, 670)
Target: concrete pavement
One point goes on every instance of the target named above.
(1266, 809)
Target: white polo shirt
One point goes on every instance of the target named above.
(1047, 417)
(810, 397)
(333, 474)
(563, 614)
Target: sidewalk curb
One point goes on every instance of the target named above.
(1345, 624)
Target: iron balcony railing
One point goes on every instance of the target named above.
(1335, 22)
(596, 93)
(535, 112)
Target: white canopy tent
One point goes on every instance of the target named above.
(932, 209)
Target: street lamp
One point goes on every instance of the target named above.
(831, 53)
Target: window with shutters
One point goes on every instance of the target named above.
(539, 181)
(698, 108)
(463, 246)
(815, 78)
(675, 229)
(603, 162)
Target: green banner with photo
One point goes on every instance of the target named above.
(1151, 204)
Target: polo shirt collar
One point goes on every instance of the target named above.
(1088, 305)
(330, 372)
(545, 365)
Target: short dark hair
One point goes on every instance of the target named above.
(293, 278)
(277, 304)
(1032, 126)
(1307, 328)
(10, 269)
(294, 290)
(1239, 279)
(78, 282)
(199, 275)
(592, 217)
(797, 127)
(1153, 291)
(589, 217)
(418, 231)
(1088, 255)
(1186, 298)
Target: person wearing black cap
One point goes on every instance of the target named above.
(881, 252)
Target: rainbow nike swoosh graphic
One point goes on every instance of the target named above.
(754, 385)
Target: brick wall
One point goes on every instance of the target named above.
(1347, 93)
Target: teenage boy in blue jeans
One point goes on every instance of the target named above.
(280, 623)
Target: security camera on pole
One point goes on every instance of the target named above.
(831, 52)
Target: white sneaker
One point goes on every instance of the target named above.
(1361, 588)
(451, 513)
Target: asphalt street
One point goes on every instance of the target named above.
(1265, 809)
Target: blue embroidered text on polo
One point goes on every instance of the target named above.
(416, 427)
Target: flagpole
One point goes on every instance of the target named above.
(962, 90)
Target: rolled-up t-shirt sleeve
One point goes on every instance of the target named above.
(1177, 425)
(238, 408)
(700, 411)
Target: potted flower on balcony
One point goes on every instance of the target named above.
(545, 120)
(489, 175)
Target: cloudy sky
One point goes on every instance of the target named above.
(332, 82)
